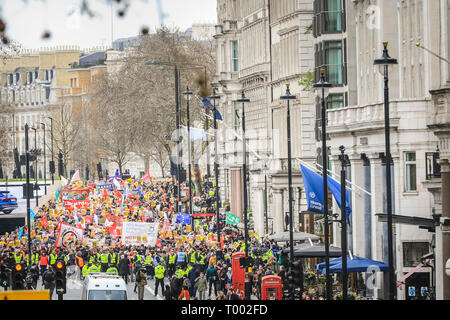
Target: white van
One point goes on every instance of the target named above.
(102, 286)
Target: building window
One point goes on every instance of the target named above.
(329, 17)
(329, 57)
(332, 16)
(235, 55)
(333, 61)
(413, 251)
(410, 171)
(335, 101)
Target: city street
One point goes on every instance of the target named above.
(282, 150)
(74, 291)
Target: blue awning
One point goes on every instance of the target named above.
(357, 264)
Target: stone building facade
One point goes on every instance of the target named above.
(262, 46)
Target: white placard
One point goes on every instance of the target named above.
(138, 233)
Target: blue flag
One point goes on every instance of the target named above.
(209, 105)
(314, 191)
(19, 233)
(32, 214)
(184, 218)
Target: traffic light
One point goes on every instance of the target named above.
(52, 167)
(297, 273)
(18, 277)
(99, 171)
(60, 164)
(60, 278)
(4, 276)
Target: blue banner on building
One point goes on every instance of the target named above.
(313, 183)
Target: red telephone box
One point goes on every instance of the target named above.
(238, 273)
(271, 288)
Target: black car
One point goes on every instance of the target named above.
(8, 202)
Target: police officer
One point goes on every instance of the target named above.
(193, 257)
(159, 275)
(85, 271)
(112, 269)
(171, 260)
(18, 256)
(94, 268)
(181, 258)
(179, 273)
(113, 257)
(104, 259)
(148, 264)
(53, 257)
(201, 264)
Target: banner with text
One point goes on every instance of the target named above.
(138, 233)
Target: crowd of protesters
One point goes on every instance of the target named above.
(195, 264)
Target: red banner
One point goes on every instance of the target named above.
(77, 204)
(201, 215)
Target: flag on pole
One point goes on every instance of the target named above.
(314, 191)
(57, 195)
(209, 105)
(76, 176)
(116, 183)
(147, 176)
(32, 214)
(19, 233)
(65, 182)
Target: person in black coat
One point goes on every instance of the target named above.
(194, 273)
(124, 267)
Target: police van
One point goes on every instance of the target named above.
(102, 286)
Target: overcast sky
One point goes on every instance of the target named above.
(27, 21)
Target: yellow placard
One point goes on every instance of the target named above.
(25, 295)
(188, 228)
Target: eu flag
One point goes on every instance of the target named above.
(209, 105)
(184, 218)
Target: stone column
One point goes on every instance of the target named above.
(278, 211)
(258, 211)
(444, 231)
(336, 168)
(376, 187)
(357, 219)
(236, 192)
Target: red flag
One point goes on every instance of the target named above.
(158, 243)
(104, 193)
(117, 193)
(44, 222)
(221, 243)
(88, 219)
(147, 176)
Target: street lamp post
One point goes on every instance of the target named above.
(177, 110)
(288, 97)
(343, 226)
(187, 95)
(27, 159)
(385, 62)
(215, 97)
(243, 100)
(53, 159)
(322, 87)
(45, 164)
(35, 170)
